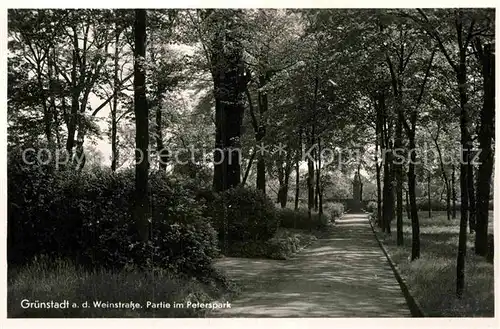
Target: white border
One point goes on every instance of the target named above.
(452, 323)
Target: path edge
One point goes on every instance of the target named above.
(415, 308)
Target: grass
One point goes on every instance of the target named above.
(432, 278)
(43, 281)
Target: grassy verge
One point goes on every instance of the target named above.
(431, 279)
(62, 281)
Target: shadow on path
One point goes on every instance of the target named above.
(343, 275)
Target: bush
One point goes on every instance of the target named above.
(371, 206)
(281, 246)
(299, 219)
(436, 205)
(335, 209)
(242, 214)
(86, 217)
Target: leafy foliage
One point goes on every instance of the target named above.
(242, 214)
(86, 217)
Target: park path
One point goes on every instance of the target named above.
(343, 275)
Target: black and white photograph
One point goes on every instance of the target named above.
(250, 163)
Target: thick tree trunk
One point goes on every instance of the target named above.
(464, 170)
(297, 183)
(471, 192)
(379, 184)
(51, 109)
(230, 83)
(378, 166)
(75, 94)
(249, 165)
(141, 121)
(398, 168)
(388, 191)
(408, 205)
(263, 107)
(310, 183)
(415, 225)
(445, 178)
(453, 193)
(114, 108)
(388, 206)
(219, 164)
(429, 200)
(318, 180)
(486, 134)
(310, 163)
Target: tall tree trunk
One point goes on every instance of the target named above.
(379, 183)
(310, 180)
(310, 163)
(453, 192)
(415, 225)
(486, 134)
(318, 173)
(141, 122)
(114, 108)
(249, 165)
(388, 191)
(388, 206)
(378, 166)
(429, 200)
(445, 177)
(263, 107)
(219, 164)
(75, 94)
(471, 191)
(464, 170)
(408, 205)
(297, 173)
(284, 178)
(230, 82)
(318, 180)
(398, 168)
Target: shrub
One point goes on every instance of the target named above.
(281, 246)
(436, 205)
(371, 206)
(299, 219)
(86, 217)
(335, 209)
(242, 214)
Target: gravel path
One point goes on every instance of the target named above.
(343, 275)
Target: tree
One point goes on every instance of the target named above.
(141, 210)
(486, 57)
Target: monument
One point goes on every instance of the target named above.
(357, 194)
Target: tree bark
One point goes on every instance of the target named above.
(471, 191)
(415, 225)
(486, 135)
(318, 180)
(444, 175)
(310, 179)
(114, 108)
(408, 204)
(263, 107)
(230, 82)
(398, 168)
(297, 173)
(453, 193)
(429, 200)
(388, 191)
(464, 166)
(141, 121)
